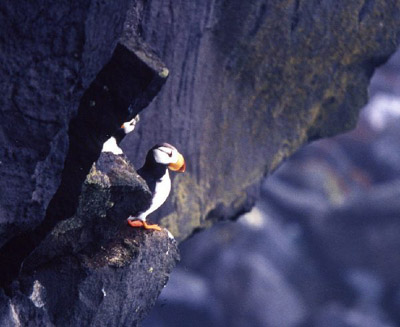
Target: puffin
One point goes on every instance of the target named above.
(112, 144)
(159, 160)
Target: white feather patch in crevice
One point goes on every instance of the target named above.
(111, 146)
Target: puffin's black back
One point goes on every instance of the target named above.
(119, 135)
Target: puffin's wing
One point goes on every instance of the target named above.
(150, 180)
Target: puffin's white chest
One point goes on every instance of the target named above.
(111, 146)
(161, 192)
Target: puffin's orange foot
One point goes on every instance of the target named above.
(155, 226)
(135, 223)
(140, 223)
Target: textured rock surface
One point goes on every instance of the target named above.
(50, 52)
(107, 273)
(250, 83)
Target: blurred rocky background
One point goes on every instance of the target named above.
(320, 248)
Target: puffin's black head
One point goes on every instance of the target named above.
(166, 155)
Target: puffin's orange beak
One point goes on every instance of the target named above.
(123, 125)
(179, 166)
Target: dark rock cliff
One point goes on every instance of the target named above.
(249, 83)
(50, 53)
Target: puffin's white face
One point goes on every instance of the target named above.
(169, 156)
(129, 126)
(165, 155)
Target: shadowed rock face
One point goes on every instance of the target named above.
(123, 87)
(90, 268)
(250, 83)
(50, 53)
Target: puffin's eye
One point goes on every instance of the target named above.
(170, 154)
